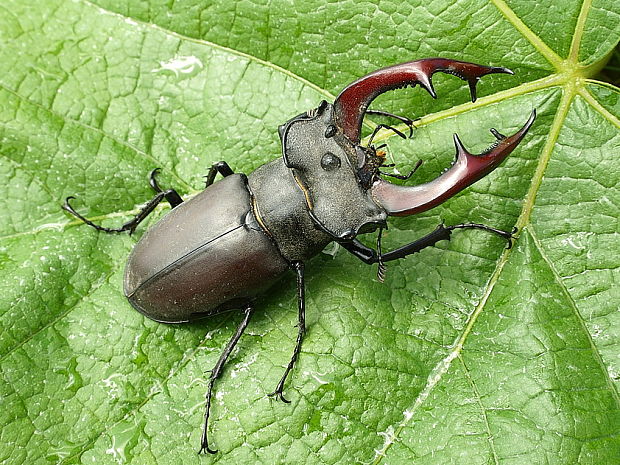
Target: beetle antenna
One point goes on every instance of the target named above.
(384, 126)
(403, 119)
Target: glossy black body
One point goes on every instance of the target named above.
(204, 257)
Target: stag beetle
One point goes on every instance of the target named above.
(221, 249)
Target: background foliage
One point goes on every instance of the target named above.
(469, 353)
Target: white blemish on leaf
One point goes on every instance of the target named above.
(243, 366)
(569, 241)
(117, 452)
(113, 389)
(316, 376)
(180, 65)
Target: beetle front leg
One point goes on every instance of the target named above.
(301, 330)
(216, 372)
(441, 233)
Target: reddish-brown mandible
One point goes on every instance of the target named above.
(352, 104)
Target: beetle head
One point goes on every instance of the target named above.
(324, 163)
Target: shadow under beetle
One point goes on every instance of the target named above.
(221, 249)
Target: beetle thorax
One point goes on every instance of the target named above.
(313, 194)
(325, 165)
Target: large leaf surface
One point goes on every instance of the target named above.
(469, 353)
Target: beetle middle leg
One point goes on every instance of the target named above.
(301, 330)
(404, 177)
(215, 374)
(384, 126)
(219, 167)
(170, 195)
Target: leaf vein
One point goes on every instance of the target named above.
(605, 113)
(550, 55)
(483, 409)
(573, 54)
(582, 323)
(175, 369)
(65, 120)
(60, 316)
(207, 43)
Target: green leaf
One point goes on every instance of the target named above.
(469, 353)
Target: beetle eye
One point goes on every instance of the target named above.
(330, 162)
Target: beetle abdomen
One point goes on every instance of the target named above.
(206, 256)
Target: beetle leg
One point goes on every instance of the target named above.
(219, 167)
(216, 372)
(130, 225)
(441, 233)
(171, 195)
(402, 119)
(301, 330)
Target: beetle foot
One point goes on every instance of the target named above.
(512, 238)
(381, 271)
(152, 181)
(278, 394)
(204, 448)
(508, 235)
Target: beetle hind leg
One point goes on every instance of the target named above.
(301, 331)
(129, 226)
(216, 373)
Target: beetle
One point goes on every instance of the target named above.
(221, 249)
